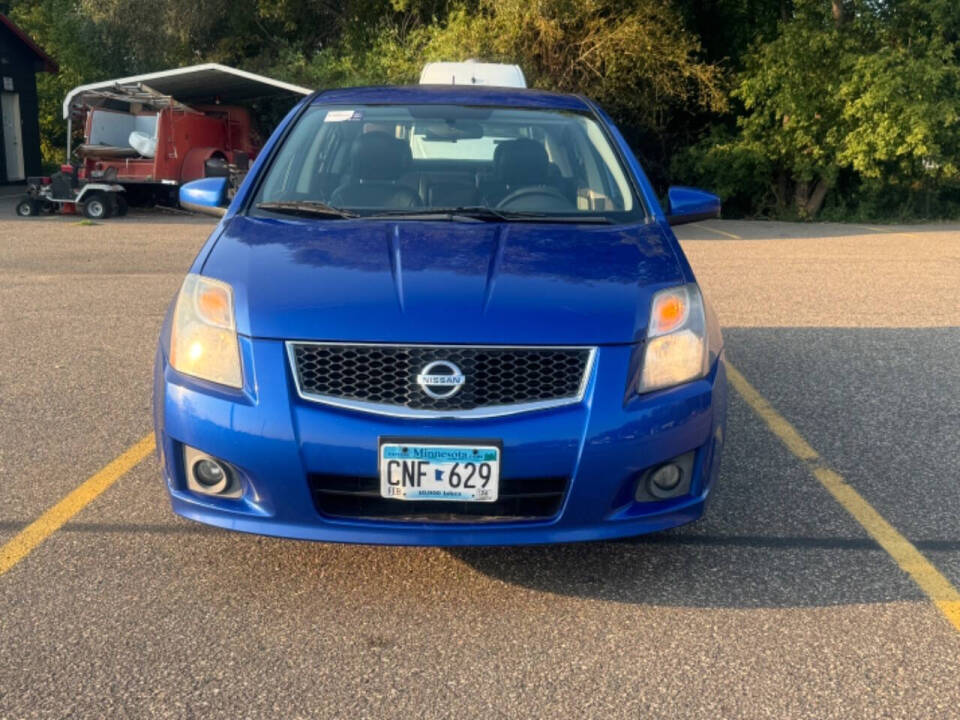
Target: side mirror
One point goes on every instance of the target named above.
(687, 205)
(208, 195)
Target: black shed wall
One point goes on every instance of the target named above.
(20, 64)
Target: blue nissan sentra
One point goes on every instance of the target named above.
(442, 315)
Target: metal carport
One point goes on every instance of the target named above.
(208, 82)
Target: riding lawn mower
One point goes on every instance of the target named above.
(68, 191)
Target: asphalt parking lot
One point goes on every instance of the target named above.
(780, 603)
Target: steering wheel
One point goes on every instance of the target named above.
(535, 197)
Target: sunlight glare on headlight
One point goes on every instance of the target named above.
(676, 349)
(672, 359)
(203, 338)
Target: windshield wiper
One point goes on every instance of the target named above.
(483, 213)
(423, 215)
(526, 216)
(459, 214)
(305, 207)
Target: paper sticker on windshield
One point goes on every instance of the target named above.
(342, 115)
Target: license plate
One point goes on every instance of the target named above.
(419, 471)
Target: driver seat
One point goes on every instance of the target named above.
(516, 164)
(377, 162)
(521, 163)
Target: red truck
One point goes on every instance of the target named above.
(156, 131)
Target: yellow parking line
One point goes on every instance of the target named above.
(887, 231)
(931, 581)
(720, 232)
(53, 519)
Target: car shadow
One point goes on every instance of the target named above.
(771, 537)
(680, 570)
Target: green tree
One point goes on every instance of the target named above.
(635, 56)
(80, 49)
(856, 86)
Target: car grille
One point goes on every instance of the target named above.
(520, 499)
(383, 378)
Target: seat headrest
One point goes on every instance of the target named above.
(378, 156)
(521, 162)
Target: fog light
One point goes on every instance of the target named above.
(666, 477)
(207, 475)
(666, 480)
(210, 474)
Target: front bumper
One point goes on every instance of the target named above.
(276, 440)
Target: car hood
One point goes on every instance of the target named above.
(442, 282)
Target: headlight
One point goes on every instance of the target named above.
(203, 339)
(676, 348)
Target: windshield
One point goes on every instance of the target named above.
(417, 159)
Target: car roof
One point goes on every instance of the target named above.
(453, 95)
